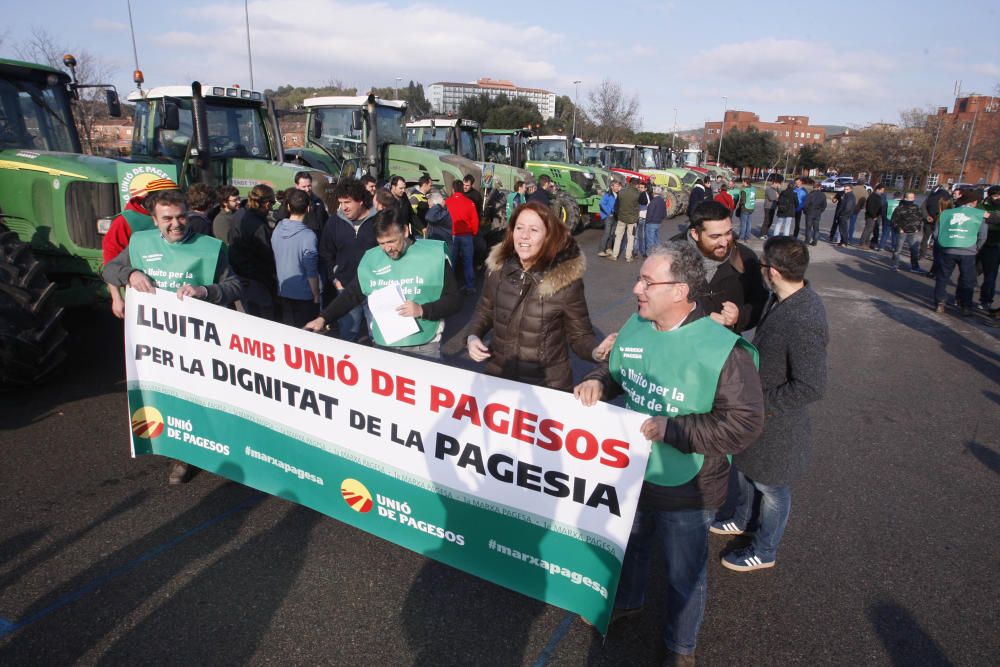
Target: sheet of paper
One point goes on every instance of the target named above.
(383, 303)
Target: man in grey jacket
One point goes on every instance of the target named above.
(791, 338)
(770, 205)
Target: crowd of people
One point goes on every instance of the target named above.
(287, 257)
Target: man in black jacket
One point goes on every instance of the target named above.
(908, 220)
(736, 293)
(251, 255)
(846, 207)
(873, 211)
(669, 342)
(813, 208)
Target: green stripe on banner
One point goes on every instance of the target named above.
(510, 547)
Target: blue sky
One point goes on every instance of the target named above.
(862, 65)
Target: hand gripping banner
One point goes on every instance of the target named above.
(519, 485)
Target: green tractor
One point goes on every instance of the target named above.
(355, 135)
(55, 205)
(561, 159)
(464, 138)
(220, 135)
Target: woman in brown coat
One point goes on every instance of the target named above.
(533, 302)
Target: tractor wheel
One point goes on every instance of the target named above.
(32, 338)
(568, 211)
(673, 204)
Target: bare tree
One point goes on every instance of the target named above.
(614, 114)
(41, 48)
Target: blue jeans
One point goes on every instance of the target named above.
(850, 228)
(745, 225)
(684, 537)
(966, 278)
(464, 248)
(609, 233)
(775, 505)
(349, 326)
(640, 238)
(909, 240)
(652, 237)
(887, 239)
(782, 226)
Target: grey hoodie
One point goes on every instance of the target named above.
(295, 258)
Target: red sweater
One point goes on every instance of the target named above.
(464, 217)
(119, 233)
(726, 200)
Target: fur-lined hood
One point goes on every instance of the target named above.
(568, 265)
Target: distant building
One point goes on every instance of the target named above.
(447, 97)
(973, 124)
(112, 136)
(791, 132)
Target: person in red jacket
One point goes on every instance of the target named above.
(725, 198)
(134, 218)
(464, 227)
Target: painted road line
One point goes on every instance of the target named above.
(557, 636)
(6, 627)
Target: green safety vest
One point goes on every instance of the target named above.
(890, 208)
(751, 198)
(138, 222)
(192, 261)
(959, 227)
(672, 373)
(419, 274)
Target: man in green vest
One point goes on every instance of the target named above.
(698, 382)
(174, 258)
(960, 234)
(423, 272)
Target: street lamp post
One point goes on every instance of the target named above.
(576, 100)
(673, 135)
(399, 79)
(722, 131)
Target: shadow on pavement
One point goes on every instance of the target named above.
(903, 638)
(91, 605)
(222, 615)
(95, 365)
(954, 343)
(58, 546)
(985, 455)
(16, 544)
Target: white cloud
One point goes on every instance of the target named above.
(106, 25)
(791, 73)
(989, 69)
(361, 44)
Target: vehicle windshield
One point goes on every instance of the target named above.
(36, 116)
(434, 138)
(592, 157)
(649, 158)
(336, 134)
(621, 158)
(234, 130)
(467, 144)
(498, 148)
(554, 150)
(689, 178)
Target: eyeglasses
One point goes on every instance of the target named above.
(647, 284)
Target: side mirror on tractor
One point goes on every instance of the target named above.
(114, 104)
(357, 120)
(317, 126)
(171, 119)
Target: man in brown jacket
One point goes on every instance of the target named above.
(693, 430)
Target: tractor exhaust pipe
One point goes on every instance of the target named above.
(371, 151)
(199, 126)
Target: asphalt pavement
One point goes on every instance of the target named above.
(890, 556)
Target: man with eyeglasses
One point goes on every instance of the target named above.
(736, 293)
(698, 382)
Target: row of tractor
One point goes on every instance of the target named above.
(56, 203)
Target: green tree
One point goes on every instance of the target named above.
(747, 148)
(811, 157)
(518, 113)
(478, 108)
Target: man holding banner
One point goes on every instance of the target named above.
(173, 257)
(422, 271)
(699, 383)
